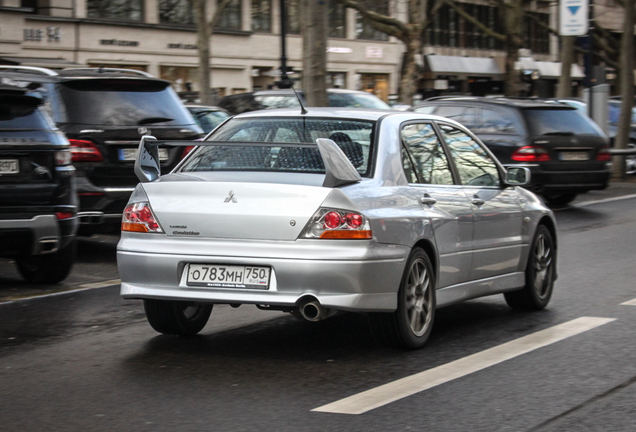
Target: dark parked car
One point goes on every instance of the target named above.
(567, 153)
(285, 98)
(103, 113)
(38, 204)
(207, 117)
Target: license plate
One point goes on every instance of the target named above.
(228, 276)
(574, 156)
(9, 166)
(130, 154)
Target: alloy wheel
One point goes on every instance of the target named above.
(542, 266)
(419, 298)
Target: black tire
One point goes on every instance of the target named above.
(540, 272)
(630, 161)
(180, 318)
(410, 325)
(560, 199)
(49, 268)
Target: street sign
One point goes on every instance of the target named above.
(573, 17)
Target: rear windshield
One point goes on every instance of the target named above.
(119, 102)
(288, 144)
(559, 122)
(21, 113)
(208, 120)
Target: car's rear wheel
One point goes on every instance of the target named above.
(49, 268)
(537, 291)
(630, 161)
(410, 325)
(181, 318)
(560, 199)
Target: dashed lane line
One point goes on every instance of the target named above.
(408, 386)
(62, 291)
(630, 303)
(601, 201)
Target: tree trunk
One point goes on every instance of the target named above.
(409, 77)
(567, 57)
(627, 87)
(203, 46)
(513, 21)
(315, 52)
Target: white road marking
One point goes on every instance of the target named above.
(630, 303)
(601, 201)
(408, 386)
(79, 288)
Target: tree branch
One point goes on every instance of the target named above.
(383, 23)
(217, 13)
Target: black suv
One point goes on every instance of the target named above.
(38, 204)
(104, 112)
(566, 152)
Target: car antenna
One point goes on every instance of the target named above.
(289, 82)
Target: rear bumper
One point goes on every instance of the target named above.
(355, 278)
(39, 235)
(566, 181)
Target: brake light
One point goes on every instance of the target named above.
(138, 217)
(531, 154)
(186, 150)
(338, 224)
(85, 151)
(63, 215)
(604, 155)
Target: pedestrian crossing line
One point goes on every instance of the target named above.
(630, 303)
(408, 386)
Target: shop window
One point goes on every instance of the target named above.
(337, 20)
(262, 16)
(336, 79)
(231, 16)
(176, 11)
(183, 79)
(364, 29)
(125, 10)
(377, 84)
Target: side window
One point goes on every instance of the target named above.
(496, 122)
(475, 166)
(464, 115)
(428, 154)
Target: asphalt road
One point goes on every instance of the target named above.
(87, 360)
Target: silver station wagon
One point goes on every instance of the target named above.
(392, 214)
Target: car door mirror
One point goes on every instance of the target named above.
(147, 168)
(517, 176)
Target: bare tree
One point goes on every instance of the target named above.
(314, 14)
(204, 33)
(627, 85)
(564, 89)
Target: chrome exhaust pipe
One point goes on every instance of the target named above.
(312, 311)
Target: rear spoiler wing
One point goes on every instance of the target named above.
(338, 168)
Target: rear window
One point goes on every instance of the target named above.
(119, 102)
(208, 120)
(559, 122)
(280, 145)
(356, 100)
(277, 101)
(22, 113)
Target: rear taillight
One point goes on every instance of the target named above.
(337, 224)
(64, 215)
(138, 217)
(531, 154)
(186, 150)
(604, 155)
(62, 157)
(85, 151)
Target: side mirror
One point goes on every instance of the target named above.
(147, 168)
(517, 176)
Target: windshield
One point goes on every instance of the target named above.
(559, 122)
(208, 120)
(356, 100)
(277, 101)
(118, 102)
(283, 144)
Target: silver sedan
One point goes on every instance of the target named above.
(388, 213)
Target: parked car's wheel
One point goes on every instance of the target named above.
(537, 292)
(560, 199)
(181, 318)
(630, 161)
(48, 268)
(410, 325)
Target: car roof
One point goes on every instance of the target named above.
(286, 92)
(522, 103)
(313, 112)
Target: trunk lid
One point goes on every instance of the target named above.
(250, 211)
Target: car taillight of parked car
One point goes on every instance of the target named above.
(138, 217)
(338, 224)
(531, 154)
(85, 151)
(604, 155)
(62, 157)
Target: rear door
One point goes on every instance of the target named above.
(443, 202)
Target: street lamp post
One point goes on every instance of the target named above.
(284, 81)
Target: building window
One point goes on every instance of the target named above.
(337, 20)
(125, 10)
(231, 16)
(536, 35)
(364, 30)
(176, 12)
(293, 16)
(449, 29)
(262, 16)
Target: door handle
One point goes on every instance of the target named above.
(428, 200)
(478, 201)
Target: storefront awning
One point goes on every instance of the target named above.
(453, 65)
(52, 63)
(547, 70)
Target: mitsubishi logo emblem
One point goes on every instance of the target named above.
(231, 198)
